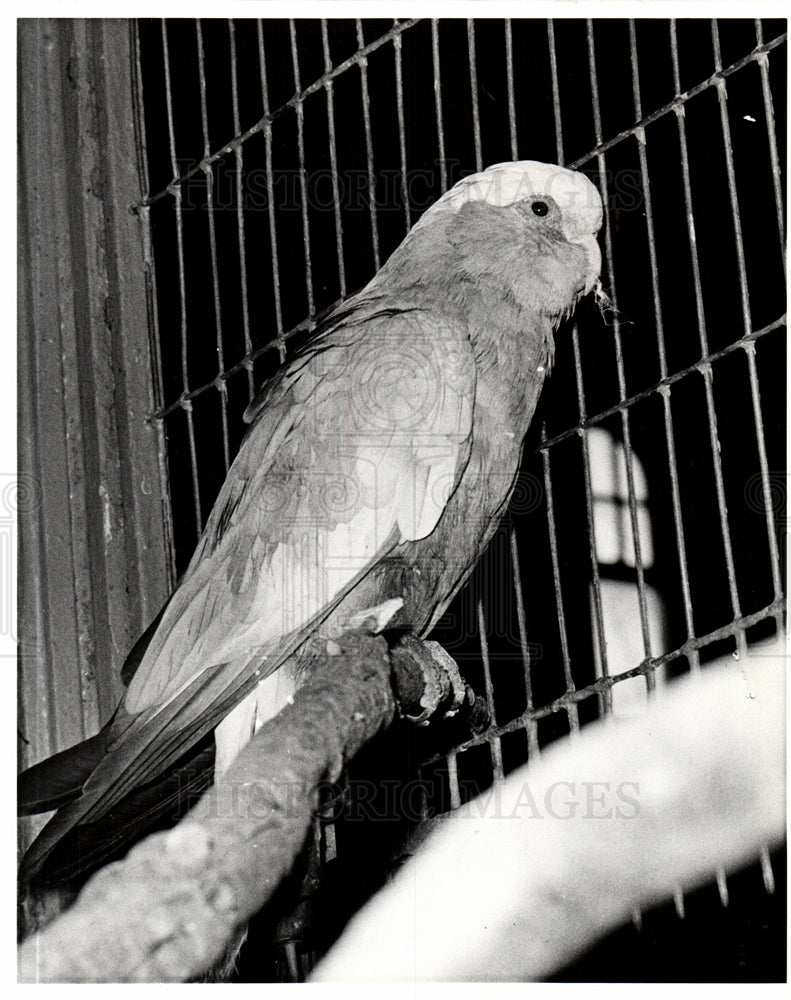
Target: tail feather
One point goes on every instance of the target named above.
(162, 801)
(133, 660)
(58, 780)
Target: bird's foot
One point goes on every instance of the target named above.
(427, 679)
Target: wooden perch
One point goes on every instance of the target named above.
(517, 883)
(166, 912)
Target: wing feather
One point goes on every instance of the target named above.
(356, 452)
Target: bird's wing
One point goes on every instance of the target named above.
(357, 455)
(357, 451)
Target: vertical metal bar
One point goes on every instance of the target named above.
(476, 119)
(573, 714)
(769, 111)
(300, 112)
(553, 69)
(423, 810)
(157, 388)
(369, 149)
(649, 217)
(605, 698)
(336, 198)
(290, 949)
(401, 128)
(530, 724)
(443, 172)
(208, 173)
(453, 779)
(678, 521)
(691, 234)
(616, 331)
(487, 674)
(722, 99)
(693, 657)
(270, 193)
(572, 711)
(177, 197)
(509, 76)
(238, 153)
(722, 886)
(777, 583)
(494, 741)
(722, 508)
(647, 202)
(705, 367)
(766, 870)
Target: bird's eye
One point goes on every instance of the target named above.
(540, 208)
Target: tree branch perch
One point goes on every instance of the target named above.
(166, 912)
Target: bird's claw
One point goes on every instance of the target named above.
(427, 677)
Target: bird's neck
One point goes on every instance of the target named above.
(496, 299)
(512, 341)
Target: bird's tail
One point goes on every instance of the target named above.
(163, 800)
(58, 780)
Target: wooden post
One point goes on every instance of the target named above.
(94, 519)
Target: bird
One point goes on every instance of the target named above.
(377, 465)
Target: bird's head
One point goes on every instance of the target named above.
(532, 224)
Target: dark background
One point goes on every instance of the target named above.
(746, 941)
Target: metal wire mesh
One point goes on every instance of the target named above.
(675, 122)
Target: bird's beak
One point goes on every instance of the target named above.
(593, 255)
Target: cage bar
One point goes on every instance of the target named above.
(303, 181)
(602, 686)
(453, 779)
(619, 365)
(722, 98)
(553, 67)
(476, 118)
(157, 397)
(215, 278)
(573, 715)
(270, 192)
(399, 78)
(509, 70)
(238, 154)
(298, 98)
(176, 190)
(530, 726)
(336, 198)
(642, 150)
(492, 736)
(749, 349)
(769, 111)
(605, 699)
(369, 149)
(681, 98)
(443, 172)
